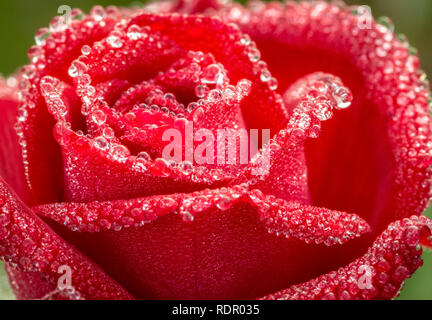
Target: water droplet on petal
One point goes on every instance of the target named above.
(77, 69)
(187, 216)
(85, 50)
(245, 40)
(224, 204)
(101, 142)
(192, 106)
(134, 32)
(386, 22)
(99, 117)
(342, 98)
(114, 41)
(214, 95)
(144, 155)
(212, 74)
(265, 75)
(120, 151)
(254, 54)
(186, 167)
(198, 114)
(273, 84)
(201, 91)
(244, 86)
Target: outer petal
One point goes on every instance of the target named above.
(33, 247)
(11, 163)
(52, 56)
(379, 274)
(219, 242)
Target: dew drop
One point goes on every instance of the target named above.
(134, 32)
(192, 106)
(29, 72)
(101, 142)
(130, 116)
(273, 84)
(99, 117)
(186, 167)
(224, 204)
(114, 41)
(77, 69)
(187, 216)
(265, 75)
(201, 91)
(245, 40)
(212, 74)
(386, 22)
(85, 50)
(198, 114)
(170, 97)
(140, 164)
(77, 14)
(144, 155)
(342, 99)
(214, 95)
(244, 86)
(120, 151)
(254, 54)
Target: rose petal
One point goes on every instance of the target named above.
(28, 285)
(280, 167)
(11, 164)
(52, 56)
(379, 274)
(121, 176)
(30, 244)
(233, 238)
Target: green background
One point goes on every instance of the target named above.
(19, 20)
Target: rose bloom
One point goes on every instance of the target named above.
(89, 209)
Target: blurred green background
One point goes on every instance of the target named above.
(19, 20)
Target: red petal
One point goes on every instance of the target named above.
(30, 244)
(170, 258)
(288, 218)
(379, 274)
(121, 176)
(28, 285)
(374, 158)
(11, 163)
(311, 224)
(280, 167)
(51, 57)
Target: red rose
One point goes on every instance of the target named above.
(90, 209)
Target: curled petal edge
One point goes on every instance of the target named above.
(379, 274)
